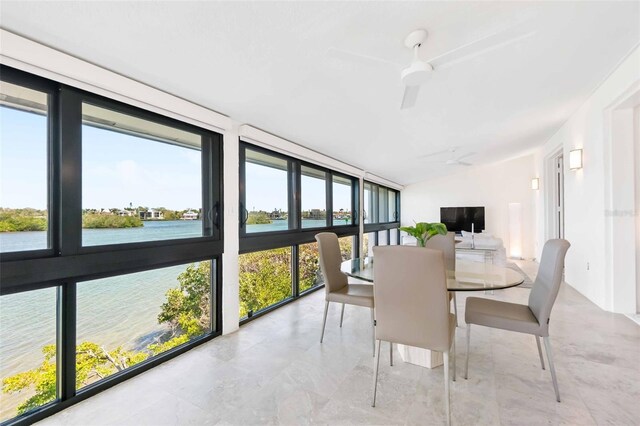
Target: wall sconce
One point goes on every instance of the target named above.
(535, 183)
(575, 159)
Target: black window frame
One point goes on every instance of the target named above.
(66, 262)
(296, 235)
(389, 226)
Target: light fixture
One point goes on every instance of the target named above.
(535, 183)
(575, 159)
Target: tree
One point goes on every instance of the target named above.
(92, 361)
(265, 278)
(186, 309)
(258, 218)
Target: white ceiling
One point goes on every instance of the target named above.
(271, 65)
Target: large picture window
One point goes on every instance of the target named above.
(139, 316)
(265, 279)
(292, 200)
(110, 242)
(141, 181)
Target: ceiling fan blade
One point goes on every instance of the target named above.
(433, 154)
(353, 56)
(481, 46)
(409, 97)
(468, 154)
(464, 163)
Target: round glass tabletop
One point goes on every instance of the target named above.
(468, 276)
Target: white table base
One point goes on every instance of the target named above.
(421, 357)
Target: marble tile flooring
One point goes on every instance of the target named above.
(275, 371)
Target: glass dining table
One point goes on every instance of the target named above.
(468, 276)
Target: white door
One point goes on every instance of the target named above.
(559, 198)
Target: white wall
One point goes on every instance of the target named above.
(493, 186)
(590, 192)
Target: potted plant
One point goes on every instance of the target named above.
(423, 231)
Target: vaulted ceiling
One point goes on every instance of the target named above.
(282, 67)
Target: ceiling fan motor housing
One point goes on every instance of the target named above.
(417, 73)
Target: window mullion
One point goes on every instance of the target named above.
(329, 200)
(71, 172)
(66, 341)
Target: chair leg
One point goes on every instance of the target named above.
(376, 365)
(540, 352)
(341, 315)
(324, 320)
(373, 331)
(455, 308)
(466, 364)
(391, 354)
(547, 346)
(447, 401)
(454, 357)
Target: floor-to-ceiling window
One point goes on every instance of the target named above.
(382, 217)
(284, 202)
(110, 242)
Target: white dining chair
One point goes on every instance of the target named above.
(336, 286)
(412, 305)
(532, 318)
(447, 244)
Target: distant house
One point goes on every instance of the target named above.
(275, 215)
(126, 213)
(317, 214)
(190, 215)
(151, 214)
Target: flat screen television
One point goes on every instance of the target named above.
(458, 219)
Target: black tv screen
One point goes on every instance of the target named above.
(458, 219)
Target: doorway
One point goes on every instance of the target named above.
(559, 198)
(554, 189)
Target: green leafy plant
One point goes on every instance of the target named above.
(423, 231)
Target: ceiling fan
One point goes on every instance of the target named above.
(452, 160)
(419, 71)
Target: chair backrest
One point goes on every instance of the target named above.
(545, 288)
(446, 244)
(330, 259)
(411, 300)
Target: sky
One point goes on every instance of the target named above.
(119, 169)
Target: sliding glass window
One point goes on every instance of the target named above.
(313, 192)
(342, 194)
(266, 186)
(370, 203)
(24, 168)
(110, 242)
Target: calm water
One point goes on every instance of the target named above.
(113, 311)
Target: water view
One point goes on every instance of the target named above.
(126, 312)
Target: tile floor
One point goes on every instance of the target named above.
(275, 371)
